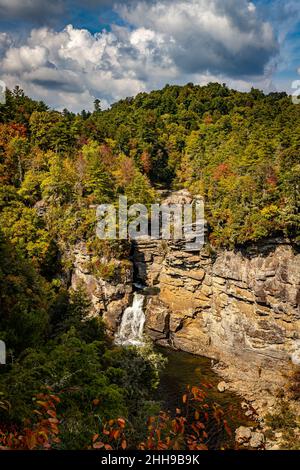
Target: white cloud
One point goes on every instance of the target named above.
(251, 7)
(24, 59)
(164, 41)
(215, 35)
(5, 42)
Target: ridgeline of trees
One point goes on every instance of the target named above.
(239, 150)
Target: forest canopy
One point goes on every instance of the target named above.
(240, 151)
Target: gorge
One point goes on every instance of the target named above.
(72, 302)
(240, 308)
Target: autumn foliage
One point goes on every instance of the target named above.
(39, 434)
(195, 426)
(191, 428)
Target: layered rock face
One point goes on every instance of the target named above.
(110, 297)
(239, 307)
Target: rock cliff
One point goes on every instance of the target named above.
(239, 307)
(109, 297)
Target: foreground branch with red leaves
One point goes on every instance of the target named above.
(194, 427)
(39, 435)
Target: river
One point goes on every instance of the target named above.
(184, 369)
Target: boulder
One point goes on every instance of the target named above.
(243, 435)
(257, 440)
(247, 437)
(222, 387)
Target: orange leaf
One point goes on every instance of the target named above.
(124, 444)
(202, 447)
(55, 398)
(162, 446)
(121, 422)
(98, 445)
(195, 429)
(42, 403)
(200, 425)
(53, 420)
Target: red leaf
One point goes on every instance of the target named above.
(98, 445)
(51, 413)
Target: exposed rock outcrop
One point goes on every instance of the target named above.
(249, 438)
(109, 297)
(238, 307)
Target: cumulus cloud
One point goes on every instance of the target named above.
(5, 42)
(159, 42)
(285, 17)
(215, 35)
(72, 62)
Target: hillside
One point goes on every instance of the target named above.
(240, 151)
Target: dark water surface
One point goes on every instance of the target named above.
(185, 369)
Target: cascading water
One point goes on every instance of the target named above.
(132, 325)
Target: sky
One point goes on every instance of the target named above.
(67, 53)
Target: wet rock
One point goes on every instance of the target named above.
(157, 319)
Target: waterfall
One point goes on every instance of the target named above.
(132, 324)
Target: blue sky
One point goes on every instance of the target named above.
(69, 52)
